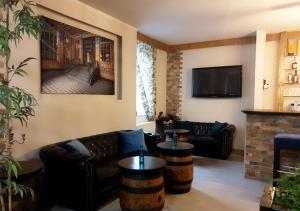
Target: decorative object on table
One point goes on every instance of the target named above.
(75, 61)
(164, 122)
(132, 140)
(17, 103)
(142, 189)
(178, 173)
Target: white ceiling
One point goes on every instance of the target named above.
(184, 21)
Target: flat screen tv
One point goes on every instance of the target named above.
(222, 82)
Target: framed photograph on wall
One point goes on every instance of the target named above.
(75, 61)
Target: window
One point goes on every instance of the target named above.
(145, 83)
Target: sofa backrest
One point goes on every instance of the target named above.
(195, 128)
(103, 145)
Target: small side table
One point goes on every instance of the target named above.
(178, 173)
(142, 188)
(29, 175)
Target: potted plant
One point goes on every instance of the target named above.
(164, 122)
(17, 20)
(285, 195)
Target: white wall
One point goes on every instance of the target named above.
(61, 117)
(259, 68)
(224, 110)
(270, 74)
(161, 82)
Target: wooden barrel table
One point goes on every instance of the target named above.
(142, 188)
(182, 134)
(178, 173)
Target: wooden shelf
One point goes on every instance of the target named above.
(291, 96)
(290, 84)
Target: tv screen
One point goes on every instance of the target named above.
(225, 81)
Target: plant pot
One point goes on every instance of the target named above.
(266, 201)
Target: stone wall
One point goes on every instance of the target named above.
(174, 83)
(260, 131)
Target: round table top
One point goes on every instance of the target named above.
(150, 163)
(177, 131)
(181, 148)
(27, 167)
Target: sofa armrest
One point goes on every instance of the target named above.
(70, 177)
(226, 137)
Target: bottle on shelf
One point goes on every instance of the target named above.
(296, 77)
(290, 78)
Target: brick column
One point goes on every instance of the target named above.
(174, 82)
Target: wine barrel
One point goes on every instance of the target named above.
(178, 173)
(142, 194)
(142, 189)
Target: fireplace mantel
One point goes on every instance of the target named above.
(261, 127)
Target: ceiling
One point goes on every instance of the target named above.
(185, 21)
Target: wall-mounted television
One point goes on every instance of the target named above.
(217, 82)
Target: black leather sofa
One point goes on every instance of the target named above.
(206, 145)
(81, 182)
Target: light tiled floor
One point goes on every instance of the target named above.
(219, 185)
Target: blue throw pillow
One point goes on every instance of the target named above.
(77, 146)
(132, 140)
(216, 128)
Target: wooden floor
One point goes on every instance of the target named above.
(75, 81)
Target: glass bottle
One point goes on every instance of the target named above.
(174, 140)
(295, 77)
(142, 157)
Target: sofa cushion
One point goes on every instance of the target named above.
(77, 146)
(132, 140)
(201, 129)
(216, 128)
(107, 171)
(203, 140)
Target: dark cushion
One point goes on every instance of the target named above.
(287, 141)
(203, 140)
(216, 128)
(132, 140)
(107, 171)
(77, 146)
